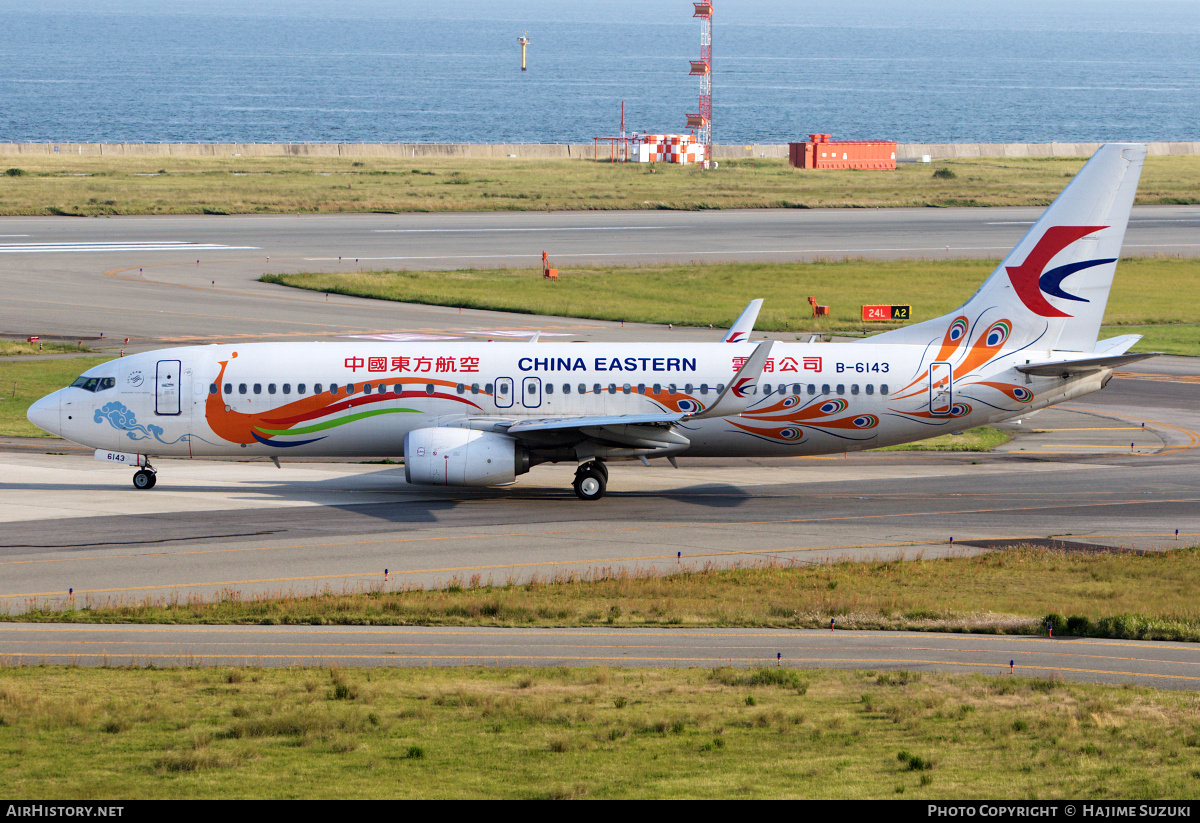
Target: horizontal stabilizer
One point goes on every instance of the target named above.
(1083, 365)
(1117, 345)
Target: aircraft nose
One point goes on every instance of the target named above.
(45, 413)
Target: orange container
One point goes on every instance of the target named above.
(822, 153)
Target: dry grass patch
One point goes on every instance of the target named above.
(1013, 591)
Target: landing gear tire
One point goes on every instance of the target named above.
(589, 483)
(143, 479)
(601, 467)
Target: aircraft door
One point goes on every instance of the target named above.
(166, 387)
(503, 395)
(941, 392)
(531, 392)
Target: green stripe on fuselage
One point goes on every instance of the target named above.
(341, 421)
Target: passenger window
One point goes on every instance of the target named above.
(641, 388)
(626, 388)
(461, 389)
(213, 388)
(229, 388)
(703, 388)
(549, 388)
(429, 388)
(396, 389)
(367, 388)
(721, 388)
(241, 388)
(474, 388)
(870, 388)
(317, 388)
(612, 388)
(504, 388)
(824, 388)
(287, 388)
(333, 388)
(687, 389)
(883, 389)
(796, 388)
(812, 389)
(671, 388)
(766, 388)
(487, 388)
(658, 388)
(566, 388)
(258, 388)
(854, 388)
(300, 388)
(532, 389)
(841, 389)
(270, 388)
(596, 388)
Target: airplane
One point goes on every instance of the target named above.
(480, 414)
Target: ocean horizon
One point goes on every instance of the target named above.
(399, 71)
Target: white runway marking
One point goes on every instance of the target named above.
(162, 245)
(564, 228)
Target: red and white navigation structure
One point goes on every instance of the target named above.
(701, 121)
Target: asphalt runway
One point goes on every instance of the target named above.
(1090, 473)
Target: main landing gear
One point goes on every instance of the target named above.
(590, 480)
(145, 478)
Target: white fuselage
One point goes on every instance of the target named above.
(362, 398)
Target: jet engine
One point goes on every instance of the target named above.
(462, 457)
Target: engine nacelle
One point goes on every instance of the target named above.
(462, 457)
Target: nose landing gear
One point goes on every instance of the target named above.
(145, 478)
(590, 480)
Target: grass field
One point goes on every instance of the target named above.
(73, 733)
(1158, 295)
(1014, 591)
(73, 185)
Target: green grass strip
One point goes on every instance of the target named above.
(1158, 297)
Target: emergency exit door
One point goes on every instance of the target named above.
(941, 396)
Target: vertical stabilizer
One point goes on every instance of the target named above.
(1051, 289)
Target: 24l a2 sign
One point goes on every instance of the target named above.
(885, 313)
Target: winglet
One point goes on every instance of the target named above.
(739, 332)
(734, 399)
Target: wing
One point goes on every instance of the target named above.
(636, 435)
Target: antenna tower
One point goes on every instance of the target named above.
(702, 120)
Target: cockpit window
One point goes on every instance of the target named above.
(94, 384)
